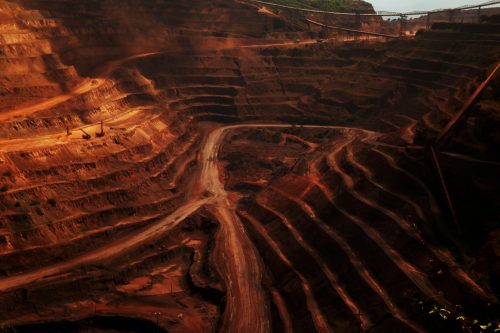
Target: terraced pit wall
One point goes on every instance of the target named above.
(155, 79)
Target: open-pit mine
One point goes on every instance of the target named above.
(243, 166)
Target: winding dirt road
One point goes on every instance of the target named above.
(84, 87)
(101, 74)
(107, 252)
(237, 259)
(246, 308)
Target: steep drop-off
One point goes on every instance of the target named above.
(336, 226)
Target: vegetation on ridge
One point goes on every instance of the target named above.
(326, 5)
(298, 17)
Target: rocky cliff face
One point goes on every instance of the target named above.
(46, 45)
(318, 205)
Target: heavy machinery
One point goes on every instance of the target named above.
(85, 135)
(101, 133)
